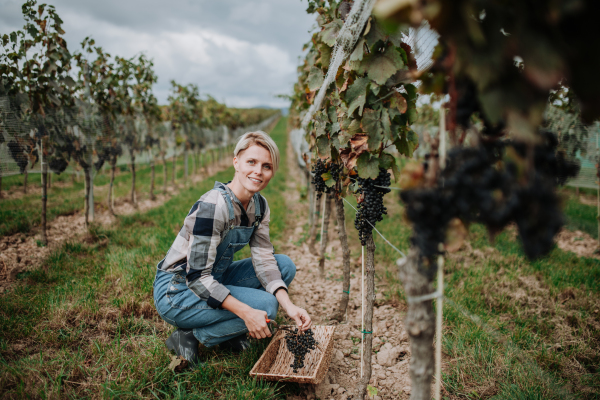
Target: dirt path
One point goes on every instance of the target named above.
(320, 297)
(21, 252)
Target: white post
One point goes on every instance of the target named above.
(362, 311)
(438, 329)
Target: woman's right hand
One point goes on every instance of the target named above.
(256, 322)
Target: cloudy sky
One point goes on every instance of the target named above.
(241, 52)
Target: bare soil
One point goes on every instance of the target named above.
(24, 252)
(578, 242)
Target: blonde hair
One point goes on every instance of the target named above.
(261, 139)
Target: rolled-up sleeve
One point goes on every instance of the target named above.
(263, 258)
(205, 223)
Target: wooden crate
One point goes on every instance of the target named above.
(274, 364)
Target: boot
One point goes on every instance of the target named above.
(183, 343)
(236, 345)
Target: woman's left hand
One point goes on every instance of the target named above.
(300, 316)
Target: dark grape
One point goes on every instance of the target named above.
(474, 188)
(300, 344)
(370, 206)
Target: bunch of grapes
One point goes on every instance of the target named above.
(58, 164)
(473, 189)
(371, 208)
(300, 344)
(318, 169)
(17, 153)
(322, 167)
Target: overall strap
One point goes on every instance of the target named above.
(259, 207)
(229, 202)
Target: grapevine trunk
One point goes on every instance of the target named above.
(325, 236)
(341, 219)
(313, 228)
(25, 182)
(419, 323)
(152, 178)
(174, 170)
(44, 203)
(113, 167)
(185, 171)
(133, 198)
(164, 160)
(369, 300)
(86, 208)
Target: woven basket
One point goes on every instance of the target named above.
(274, 364)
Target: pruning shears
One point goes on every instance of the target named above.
(276, 326)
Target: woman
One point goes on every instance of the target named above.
(199, 289)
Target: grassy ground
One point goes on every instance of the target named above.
(65, 197)
(546, 312)
(85, 326)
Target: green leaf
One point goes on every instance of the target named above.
(359, 51)
(329, 182)
(371, 122)
(315, 79)
(354, 127)
(367, 167)
(411, 90)
(326, 176)
(386, 161)
(383, 65)
(325, 51)
(356, 95)
(412, 115)
(13, 37)
(372, 391)
(329, 34)
(375, 34)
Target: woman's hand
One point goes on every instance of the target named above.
(300, 316)
(256, 322)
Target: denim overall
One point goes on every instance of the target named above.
(180, 306)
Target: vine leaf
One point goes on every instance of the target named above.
(456, 233)
(371, 124)
(358, 143)
(356, 95)
(382, 66)
(359, 51)
(323, 147)
(398, 101)
(367, 166)
(315, 79)
(331, 31)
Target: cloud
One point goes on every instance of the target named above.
(240, 52)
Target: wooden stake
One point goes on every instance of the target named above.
(438, 329)
(362, 311)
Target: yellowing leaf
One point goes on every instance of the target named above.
(455, 235)
(372, 391)
(411, 175)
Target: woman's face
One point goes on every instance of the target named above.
(254, 168)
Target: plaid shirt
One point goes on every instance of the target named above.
(195, 247)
